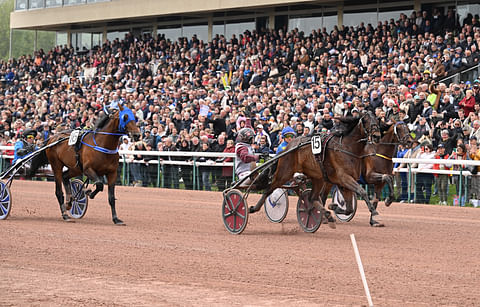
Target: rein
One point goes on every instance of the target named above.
(99, 148)
(125, 116)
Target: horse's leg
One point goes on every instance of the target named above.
(112, 177)
(57, 170)
(388, 179)
(347, 196)
(97, 180)
(351, 184)
(261, 201)
(68, 190)
(315, 199)
(280, 178)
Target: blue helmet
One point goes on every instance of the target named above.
(288, 130)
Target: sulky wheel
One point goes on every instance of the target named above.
(234, 212)
(276, 205)
(5, 200)
(79, 199)
(309, 217)
(339, 199)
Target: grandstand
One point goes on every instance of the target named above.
(193, 72)
(85, 23)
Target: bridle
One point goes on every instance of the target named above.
(401, 140)
(369, 128)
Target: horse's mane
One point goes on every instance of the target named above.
(101, 122)
(349, 122)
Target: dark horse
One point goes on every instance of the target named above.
(340, 165)
(97, 156)
(378, 166)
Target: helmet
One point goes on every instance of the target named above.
(288, 130)
(29, 132)
(245, 135)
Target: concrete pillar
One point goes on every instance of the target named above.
(210, 28)
(154, 31)
(10, 44)
(35, 39)
(271, 20)
(69, 38)
(340, 17)
(104, 35)
(417, 5)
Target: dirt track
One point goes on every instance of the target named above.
(175, 251)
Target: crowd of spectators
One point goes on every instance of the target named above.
(191, 95)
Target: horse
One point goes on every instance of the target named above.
(378, 166)
(339, 166)
(96, 157)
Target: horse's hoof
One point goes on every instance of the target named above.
(333, 206)
(88, 192)
(252, 209)
(332, 225)
(119, 222)
(388, 201)
(67, 219)
(374, 223)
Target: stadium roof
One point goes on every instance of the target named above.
(126, 12)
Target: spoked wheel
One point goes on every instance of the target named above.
(276, 205)
(309, 217)
(234, 212)
(5, 200)
(79, 199)
(340, 201)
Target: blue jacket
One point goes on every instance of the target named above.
(281, 147)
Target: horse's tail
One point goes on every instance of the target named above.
(263, 180)
(38, 161)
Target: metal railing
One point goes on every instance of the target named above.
(468, 74)
(163, 160)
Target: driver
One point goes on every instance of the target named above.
(245, 157)
(25, 145)
(287, 135)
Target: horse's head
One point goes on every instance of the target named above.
(127, 123)
(402, 133)
(370, 124)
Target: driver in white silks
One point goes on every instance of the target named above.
(245, 157)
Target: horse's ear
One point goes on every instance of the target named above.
(393, 120)
(120, 107)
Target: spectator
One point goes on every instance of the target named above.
(460, 153)
(170, 169)
(205, 171)
(468, 102)
(139, 168)
(227, 171)
(441, 179)
(186, 170)
(425, 180)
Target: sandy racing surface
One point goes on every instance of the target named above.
(175, 251)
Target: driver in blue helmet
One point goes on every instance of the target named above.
(25, 145)
(287, 136)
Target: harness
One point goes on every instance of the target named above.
(125, 116)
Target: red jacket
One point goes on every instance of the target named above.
(468, 104)
(227, 171)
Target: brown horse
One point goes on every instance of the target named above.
(378, 166)
(96, 157)
(340, 165)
